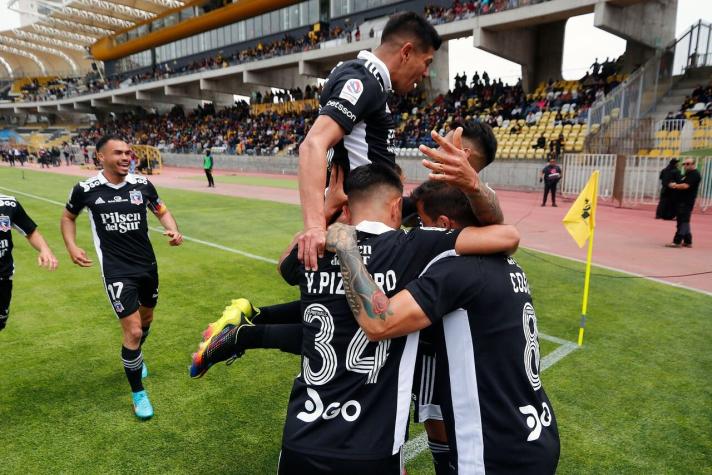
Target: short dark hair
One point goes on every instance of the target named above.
(441, 199)
(364, 179)
(482, 135)
(415, 26)
(106, 138)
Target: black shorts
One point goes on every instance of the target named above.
(298, 463)
(126, 294)
(426, 396)
(5, 297)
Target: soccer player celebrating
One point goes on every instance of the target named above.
(117, 203)
(355, 126)
(497, 415)
(12, 215)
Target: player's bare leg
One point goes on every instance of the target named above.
(132, 358)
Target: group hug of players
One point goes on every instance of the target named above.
(440, 313)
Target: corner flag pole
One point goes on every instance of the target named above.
(586, 281)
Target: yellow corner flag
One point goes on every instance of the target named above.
(580, 220)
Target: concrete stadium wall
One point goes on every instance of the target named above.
(512, 174)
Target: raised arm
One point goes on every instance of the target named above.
(68, 227)
(45, 256)
(450, 164)
(378, 316)
(324, 134)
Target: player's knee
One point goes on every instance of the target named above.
(133, 334)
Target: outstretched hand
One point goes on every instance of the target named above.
(340, 237)
(450, 162)
(311, 247)
(46, 259)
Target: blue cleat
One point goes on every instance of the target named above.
(142, 406)
(144, 371)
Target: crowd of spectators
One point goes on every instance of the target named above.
(288, 44)
(232, 129)
(698, 104)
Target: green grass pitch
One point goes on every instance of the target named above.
(635, 399)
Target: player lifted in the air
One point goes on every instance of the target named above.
(117, 202)
(355, 126)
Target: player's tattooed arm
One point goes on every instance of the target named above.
(365, 298)
(485, 205)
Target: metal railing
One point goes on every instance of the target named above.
(642, 90)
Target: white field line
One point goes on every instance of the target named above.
(160, 230)
(415, 446)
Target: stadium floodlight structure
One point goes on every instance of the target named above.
(48, 32)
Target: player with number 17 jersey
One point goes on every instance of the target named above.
(119, 222)
(343, 402)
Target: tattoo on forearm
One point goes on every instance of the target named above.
(362, 293)
(486, 207)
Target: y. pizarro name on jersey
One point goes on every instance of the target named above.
(12, 215)
(351, 399)
(119, 221)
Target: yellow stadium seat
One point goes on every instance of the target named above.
(654, 152)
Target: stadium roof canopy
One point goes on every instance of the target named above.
(56, 41)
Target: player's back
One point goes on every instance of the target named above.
(498, 415)
(353, 396)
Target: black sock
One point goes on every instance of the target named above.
(133, 364)
(441, 456)
(146, 331)
(290, 312)
(284, 337)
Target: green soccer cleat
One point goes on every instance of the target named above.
(142, 406)
(220, 338)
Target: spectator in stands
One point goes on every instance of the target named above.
(551, 174)
(540, 142)
(685, 195)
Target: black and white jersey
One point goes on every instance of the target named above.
(119, 222)
(498, 416)
(352, 398)
(12, 215)
(355, 95)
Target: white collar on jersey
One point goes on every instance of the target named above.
(129, 179)
(380, 67)
(373, 227)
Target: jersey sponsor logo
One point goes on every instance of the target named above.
(341, 108)
(352, 91)
(99, 201)
(511, 261)
(535, 421)
(11, 204)
(5, 224)
(89, 184)
(531, 346)
(135, 197)
(4, 246)
(349, 411)
(121, 222)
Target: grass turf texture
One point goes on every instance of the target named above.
(290, 184)
(635, 399)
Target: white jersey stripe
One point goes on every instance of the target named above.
(97, 243)
(464, 392)
(405, 387)
(356, 146)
